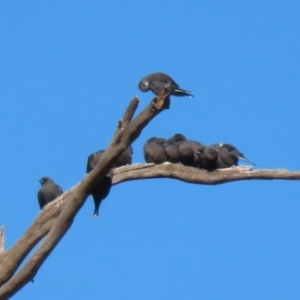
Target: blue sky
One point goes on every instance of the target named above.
(68, 71)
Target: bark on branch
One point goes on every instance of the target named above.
(197, 176)
(2, 239)
(57, 217)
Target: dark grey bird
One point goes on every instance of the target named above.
(93, 160)
(154, 151)
(228, 155)
(172, 147)
(191, 153)
(101, 191)
(209, 157)
(125, 158)
(156, 82)
(48, 192)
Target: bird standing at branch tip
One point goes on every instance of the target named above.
(156, 82)
(48, 192)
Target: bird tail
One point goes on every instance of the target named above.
(247, 160)
(181, 92)
(96, 212)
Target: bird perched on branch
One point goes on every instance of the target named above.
(172, 147)
(101, 191)
(48, 192)
(191, 154)
(154, 151)
(156, 82)
(125, 158)
(209, 157)
(228, 155)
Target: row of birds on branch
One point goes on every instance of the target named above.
(177, 149)
(192, 153)
(49, 190)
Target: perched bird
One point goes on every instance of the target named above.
(154, 151)
(209, 157)
(191, 153)
(101, 191)
(125, 158)
(156, 82)
(228, 155)
(48, 192)
(93, 160)
(172, 147)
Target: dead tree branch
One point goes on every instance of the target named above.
(2, 239)
(197, 176)
(57, 217)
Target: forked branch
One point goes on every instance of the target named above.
(56, 217)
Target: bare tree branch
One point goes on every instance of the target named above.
(2, 239)
(57, 217)
(197, 176)
(128, 115)
(134, 172)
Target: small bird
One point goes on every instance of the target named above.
(209, 157)
(93, 160)
(48, 192)
(172, 147)
(156, 82)
(101, 191)
(228, 155)
(191, 153)
(125, 158)
(154, 151)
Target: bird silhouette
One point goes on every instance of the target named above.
(172, 147)
(48, 192)
(154, 151)
(228, 155)
(156, 82)
(101, 191)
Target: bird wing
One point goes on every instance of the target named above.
(162, 78)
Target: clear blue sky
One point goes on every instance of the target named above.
(68, 71)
